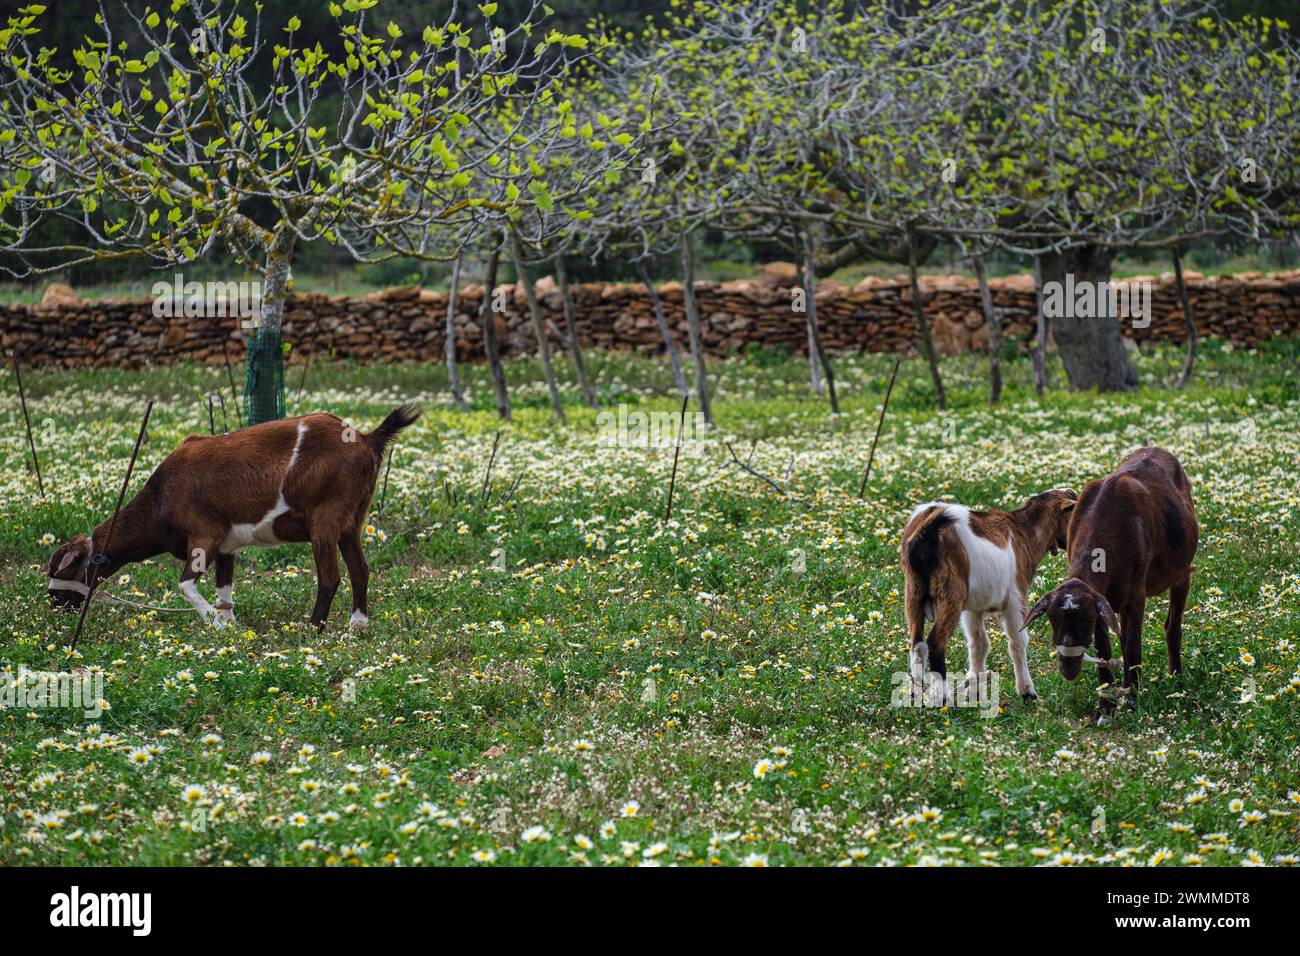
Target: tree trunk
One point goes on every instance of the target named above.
(490, 335)
(1040, 331)
(923, 327)
(535, 313)
(1188, 316)
(814, 368)
(571, 331)
(810, 301)
(994, 319)
(660, 318)
(702, 399)
(1091, 347)
(264, 384)
(453, 378)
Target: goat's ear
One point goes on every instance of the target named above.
(1108, 614)
(69, 556)
(1038, 610)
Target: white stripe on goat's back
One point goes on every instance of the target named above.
(261, 534)
(297, 447)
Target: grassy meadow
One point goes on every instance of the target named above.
(554, 674)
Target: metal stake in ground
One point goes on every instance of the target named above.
(677, 453)
(22, 398)
(212, 419)
(102, 557)
(384, 494)
(883, 408)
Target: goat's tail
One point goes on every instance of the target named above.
(393, 422)
(921, 551)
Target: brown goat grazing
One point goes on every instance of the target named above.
(1133, 536)
(961, 564)
(294, 480)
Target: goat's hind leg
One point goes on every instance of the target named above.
(225, 571)
(326, 553)
(1174, 624)
(358, 577)
(946, 616)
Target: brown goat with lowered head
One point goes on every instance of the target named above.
(1133, 536)
(960, 564)
(307, 479)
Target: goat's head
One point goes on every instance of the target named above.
(1056, 509)
(72, 571)
(1075, 609)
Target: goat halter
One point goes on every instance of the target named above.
(1078, 650)
(62, 584)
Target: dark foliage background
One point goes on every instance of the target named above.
(68, 20)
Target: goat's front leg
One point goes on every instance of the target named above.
(1105, 679)
(358, 576)
(199, 551)
(225, 572)
(325, 551)
(1130, 626)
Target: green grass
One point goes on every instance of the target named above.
(483, 704)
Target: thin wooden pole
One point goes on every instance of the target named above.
(1040, 331)
(95, 557)
(1188, 316)
(383, 496)
(212, 418)
(449, 338)
(230, 375)
(879, 424)
(677, 453)
(923, 324)
(661, 319)
(302, 379)
(31, 442)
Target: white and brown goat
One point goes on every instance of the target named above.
(307, 479)
(960, 564)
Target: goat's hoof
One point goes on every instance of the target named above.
(358, 621)
(1029, 697)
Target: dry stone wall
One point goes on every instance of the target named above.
(407, 324)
